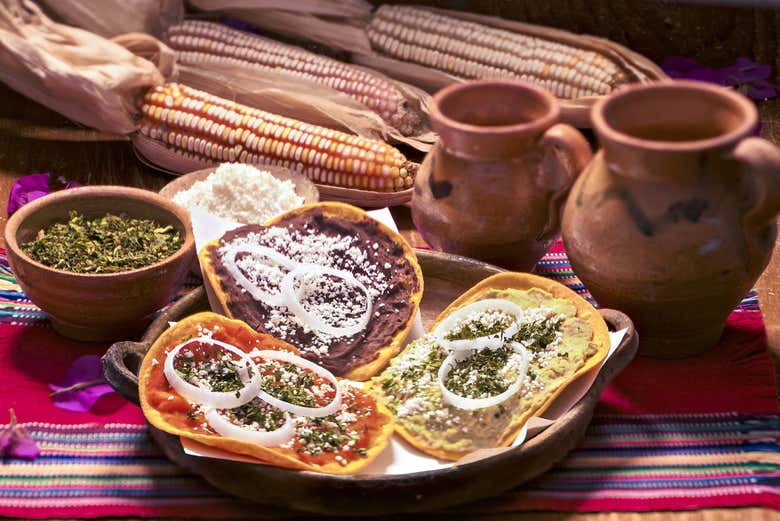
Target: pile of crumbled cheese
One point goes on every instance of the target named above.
(241, 193)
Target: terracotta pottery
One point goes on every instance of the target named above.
(106, 306)
(673, 221)
(493, 186)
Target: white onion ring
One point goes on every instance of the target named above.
(299, 410)
(493, 341)
(222, 400)
(312, 321)
(229, 260)
(229, 429)
(471, 404)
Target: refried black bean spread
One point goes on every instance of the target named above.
(359, 248)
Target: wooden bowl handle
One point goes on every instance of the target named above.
(122, 360)
(617, 320)
(120, 365)
(189, 304)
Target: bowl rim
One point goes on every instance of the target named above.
(202, 174)
(98, 191)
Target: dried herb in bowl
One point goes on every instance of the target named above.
(108, 244)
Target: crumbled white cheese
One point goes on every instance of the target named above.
(241, 193)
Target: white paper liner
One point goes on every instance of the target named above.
(399, 457)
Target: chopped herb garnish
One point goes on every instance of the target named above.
(476, 329)
(183, 368)
(325, 434)
(106, 244)
(257, 414)
(291, 384)
(478, 375)
(219, 373)
(538, 335)
(415, 372)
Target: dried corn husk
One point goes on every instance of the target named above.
(102, 84)
(83, 76)
(301, 99)
(114, 17)
(280, 91)
(341, 34)
(353, 38)
(330, 8)
(181, 127)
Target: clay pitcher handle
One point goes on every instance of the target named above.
(762, 158)
(575, 147)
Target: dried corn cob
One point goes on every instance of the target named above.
(204, 127)
(202, 43)
(471, 50)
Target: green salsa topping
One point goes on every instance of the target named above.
(107, 244)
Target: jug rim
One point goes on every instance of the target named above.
(535, 126)
(740, 103)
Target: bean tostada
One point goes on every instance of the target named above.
(495, 357)
(340, 286)
(217, 381)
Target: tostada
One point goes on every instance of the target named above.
(218, 382)
(340, 286)
(495, 357)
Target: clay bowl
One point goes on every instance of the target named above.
(99, 307)
(303, 187)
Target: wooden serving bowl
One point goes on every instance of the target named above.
(446, 276)
(99, 307)
(303, 187)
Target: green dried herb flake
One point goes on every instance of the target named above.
(538, 335)
(479, 374)
(475, 330)
(290, 384)
(108, 244)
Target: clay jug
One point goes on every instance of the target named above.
(493, 186)
(673, 220)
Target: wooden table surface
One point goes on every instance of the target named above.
(46, 142)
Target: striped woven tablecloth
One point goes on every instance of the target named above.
(677, 435)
